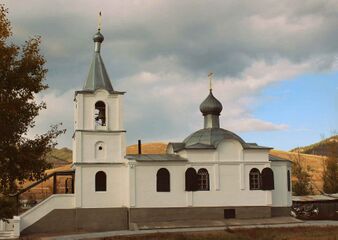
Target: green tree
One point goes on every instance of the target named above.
(302, 185)
(22, 75)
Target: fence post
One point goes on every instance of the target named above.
(17, 204)
(16, 224)
(54, 184)
(73, 178)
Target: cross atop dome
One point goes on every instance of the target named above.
(98, 77)
(210, 80)
(211, 108)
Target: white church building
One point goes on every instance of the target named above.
(213, 174)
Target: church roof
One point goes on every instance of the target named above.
(276, 158)
(209, 138)
(98, 77)
(155, 157)
(211, 135)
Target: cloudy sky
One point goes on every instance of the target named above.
(275, 64)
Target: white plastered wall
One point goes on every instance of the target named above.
(230, 150)
(256, 155)
(228, 167)
(117, 186)
(88, 136)
(87, 143)
(281, 197)
(228, 194)
(99, 148)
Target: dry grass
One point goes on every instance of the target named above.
(296, 233)
(63, 154)
(314, 162)
(148, 148)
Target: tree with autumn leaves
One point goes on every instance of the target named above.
(22, 75)
(330, 173)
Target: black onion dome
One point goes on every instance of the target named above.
(211, 105)
(98, 37)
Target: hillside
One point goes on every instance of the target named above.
(313, 162)
(148, 148)
(322, 148)
(60, 157)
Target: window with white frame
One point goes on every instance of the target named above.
(203, 180)
(255, 179)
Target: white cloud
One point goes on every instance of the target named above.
(59, 110)
(254, 125)
(174, 100)
(161, 51)
(165, 105)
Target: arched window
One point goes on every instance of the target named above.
(203, 180)
(100, 113)
(289, 181)
(191, 180)
(255, 179)
(100, 182)
(163, 180)
(267, 179)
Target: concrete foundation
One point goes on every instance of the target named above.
(110, 219)
(280, 211)
(143, 215)
(81, 220)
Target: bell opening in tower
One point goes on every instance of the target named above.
(100, 114)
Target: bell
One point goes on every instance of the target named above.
(101, 115)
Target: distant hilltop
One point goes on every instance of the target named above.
(322, 148)
(60, 157)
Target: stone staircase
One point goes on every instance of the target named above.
(10, 229)
(7, 235)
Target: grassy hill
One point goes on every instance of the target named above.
(60, 157)
(322, 148)
(148, 148)
(313, 162)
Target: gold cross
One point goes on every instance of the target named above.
(210, 80)
(100, 21)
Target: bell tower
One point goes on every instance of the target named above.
(99, 144)
(99, 134)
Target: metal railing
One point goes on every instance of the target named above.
(54, 183)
